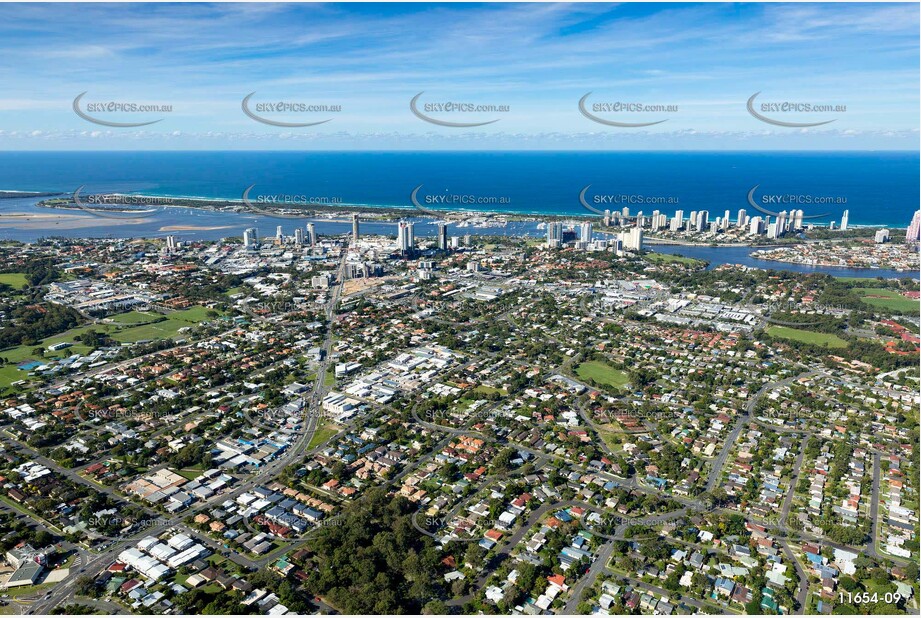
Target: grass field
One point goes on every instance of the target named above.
(602, 374)
(133, 318)
(194, 314)
(10, 374)
(164, 329)
(158, 330)
(24, 352)
(807, 336)
(888, 299)
(668, 258)
(871, 279)
(15, 280)
(190, 473)
(488, 390)
(323, 433)
(612, 435)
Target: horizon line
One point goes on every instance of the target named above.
(438, 150)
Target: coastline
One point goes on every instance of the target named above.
(239, 206)
(384, 211)
(214, 224)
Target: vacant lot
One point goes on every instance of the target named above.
(324, 432)
(807, 336)
(602, 374)
(488, 390)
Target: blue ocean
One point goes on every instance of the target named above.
(878, 188)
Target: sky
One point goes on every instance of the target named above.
(698, 64)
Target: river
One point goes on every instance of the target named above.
(230, 224)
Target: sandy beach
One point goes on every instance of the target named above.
(193, 228)
(34, 221)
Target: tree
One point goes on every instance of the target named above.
(503, 460)
(364, 564)
(474, 555)
(848, 583)
(435, 607)
(85, 586)
(879, 576)
(753, 607)
(459, 587)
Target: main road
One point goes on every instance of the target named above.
(66, 588)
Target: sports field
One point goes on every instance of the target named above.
(602, 374)
(887, 299)
(15, 280)
(133, 318)
(807, 336)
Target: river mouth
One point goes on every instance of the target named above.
(198, 224)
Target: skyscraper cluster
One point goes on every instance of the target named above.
(631, 240)
(701, 221)
(300, 237)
